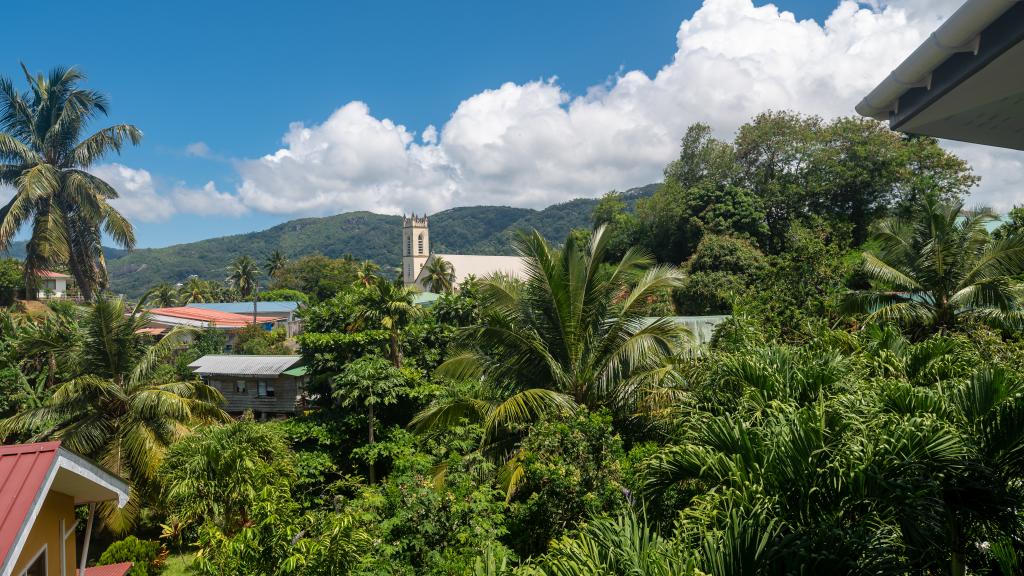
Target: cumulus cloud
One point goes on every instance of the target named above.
(533, 144)
(137, 195)
(207, 201)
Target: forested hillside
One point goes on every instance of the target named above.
(364, 235)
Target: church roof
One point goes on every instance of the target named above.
(481, 266)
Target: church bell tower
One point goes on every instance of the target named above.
(415, 247)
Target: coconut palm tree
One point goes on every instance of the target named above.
(243, 273)
(367, 273)
(112, 410)
(439, 275)
(44, 156)
(276, 262)
(572, 333)
(939, 267)
(195, 290)
(164, 295)
(389, 305)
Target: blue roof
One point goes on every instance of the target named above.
(246, 307)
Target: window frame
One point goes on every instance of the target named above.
(42, 553)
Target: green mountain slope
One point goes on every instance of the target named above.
(467, 230)
(17, 250)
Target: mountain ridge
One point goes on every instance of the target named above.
(365, 235)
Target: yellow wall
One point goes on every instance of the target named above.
(46, 530)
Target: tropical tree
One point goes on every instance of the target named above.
(276, 262)
(243, 273)
(196, 290)
(939, 267)
(389, 305)
(45, 158)
(572, 333)
(217, 473)
(164, 295)
(367, 383)
(367, 272)
(111, 408)
(439, 275)
(621, 545)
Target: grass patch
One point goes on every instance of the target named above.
(177, 565)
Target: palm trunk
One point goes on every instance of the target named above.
(373, 471)
(396, 350)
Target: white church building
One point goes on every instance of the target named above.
(416, 254)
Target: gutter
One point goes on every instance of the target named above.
(961, 32)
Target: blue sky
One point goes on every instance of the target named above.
(234, 76)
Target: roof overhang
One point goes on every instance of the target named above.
(964, 83)
(75, 476)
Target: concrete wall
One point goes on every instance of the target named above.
(46, 531)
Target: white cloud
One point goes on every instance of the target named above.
(533, 144)
(207, 201)
(137, 195)
(198, 149)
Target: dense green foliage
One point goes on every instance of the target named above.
(146, 556)
(861, 412)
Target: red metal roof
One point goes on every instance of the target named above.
(213, 316)
(24, 469)
(50, 274)
(109, 570)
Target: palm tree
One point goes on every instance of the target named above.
(621, 545)
(243, 274)
(389, 305)
(44, 157)
(164, 295)
(276, 262)
(195, 290)
(573, 333)
(939, 267)
(440, 275)
(112, 410)
(367, 273)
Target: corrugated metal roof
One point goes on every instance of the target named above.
(244, 365)
(276, 307)
(109, 570)
(51, 274)
(205, 317)
(24, 468)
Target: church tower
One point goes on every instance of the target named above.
(415, 247)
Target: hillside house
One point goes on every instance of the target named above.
(267, 385)
(52, 284)
(40, 486)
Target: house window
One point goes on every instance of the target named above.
(38, 565)
(264, 389)
(408, 245)
(240, 387)
(421, 243)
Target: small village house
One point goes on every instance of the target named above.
(285, 313)
(266, 385)
(162, 320)
(51, 284)
(40, 486)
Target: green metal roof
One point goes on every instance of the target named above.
(297, 371)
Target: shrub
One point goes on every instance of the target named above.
(147, 556)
